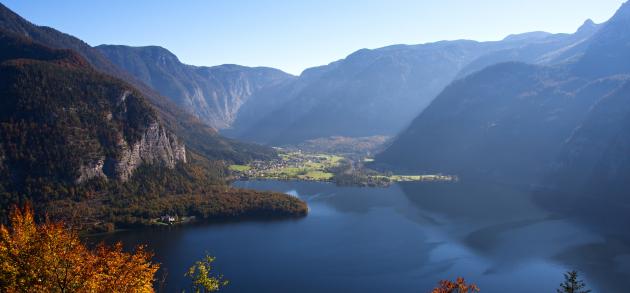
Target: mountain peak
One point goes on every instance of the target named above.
(622, 14)
(588, 27)
(608, 52)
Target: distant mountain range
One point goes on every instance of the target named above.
(378, 92)
(212, 94)
(371, 92)
(560, 125)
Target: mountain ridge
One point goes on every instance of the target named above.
(196, 134)
(106, 136)
(380, 91)
(87, 147)
(213, 94)
(519, 124)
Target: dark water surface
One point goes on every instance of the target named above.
(403, 238)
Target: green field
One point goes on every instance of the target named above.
(297, 165)
(317, 175)
(240, 168)
(292, 165)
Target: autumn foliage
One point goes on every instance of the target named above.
(459, 286)
(50, 258)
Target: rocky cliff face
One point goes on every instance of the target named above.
(212, 94)
(156, 146)
(63, 121)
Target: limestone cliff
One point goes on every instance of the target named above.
(212, 94)
(61, 121)
(156, 146)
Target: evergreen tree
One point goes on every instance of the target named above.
(572, 284)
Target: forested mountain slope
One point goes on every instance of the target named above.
(196, 134)
(88, 147)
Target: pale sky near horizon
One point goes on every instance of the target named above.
(295, 35)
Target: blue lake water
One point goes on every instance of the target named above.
(403, 238)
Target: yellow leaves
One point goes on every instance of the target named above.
(202, 278)
(124, 271)
(50, 258)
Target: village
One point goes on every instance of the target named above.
(308, 166)
(291, 165)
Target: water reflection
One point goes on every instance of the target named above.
(512, 228)
(397, 239)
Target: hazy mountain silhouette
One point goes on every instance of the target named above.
(540, 48)
(608, 51)
(213, 94)
(519, 123)
(378, 92)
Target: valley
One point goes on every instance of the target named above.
(295, 164)
(382, 167)
(291, 165)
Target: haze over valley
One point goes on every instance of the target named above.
(505, 162)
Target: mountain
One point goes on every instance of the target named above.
(520, 124)
(378, 92)
(47, 120)
(506, 122)
(90, 148)
(265, 102)
(591, 174)
(371, 92)
(14, 23)
(595, 154)
(212, 94)
(194, 133)
(608, 51)
(87, 147)
(538, 48)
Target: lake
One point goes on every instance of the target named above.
(403, 238)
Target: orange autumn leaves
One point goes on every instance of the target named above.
(459, 286)
(50, 258)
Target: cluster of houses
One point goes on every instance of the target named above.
(260, 169)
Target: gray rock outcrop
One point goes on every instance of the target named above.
(156, 146)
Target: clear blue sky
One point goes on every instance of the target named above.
(295, 34)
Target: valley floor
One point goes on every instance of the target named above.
(296, 164)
